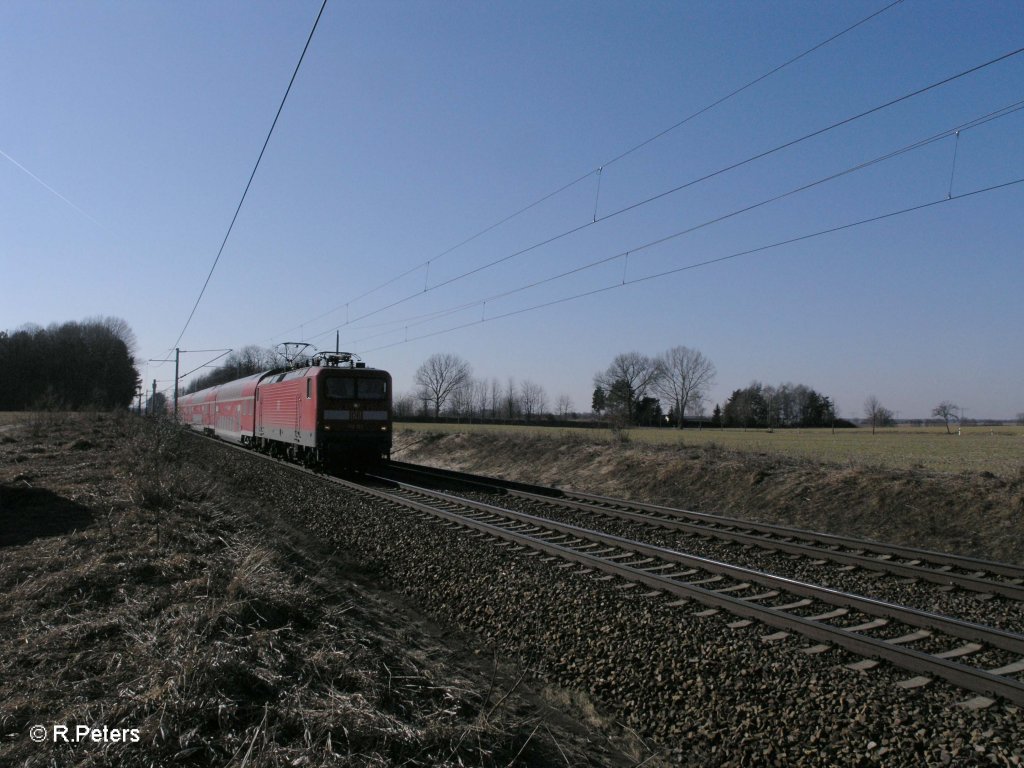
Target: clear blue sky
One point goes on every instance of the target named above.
(130, 129)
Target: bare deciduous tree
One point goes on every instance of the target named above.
(564, 406)
(460, 403)
(120, 329)
(510, 399)
(439, 376)
(404, 405)
(683, 378)
(494, 398)
(478, 388)
(627, 381)
(876, 413)
(946, 411)
(532, 399)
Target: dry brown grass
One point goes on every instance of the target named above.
(152, 603)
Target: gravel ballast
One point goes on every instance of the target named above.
(704, 693)
(997, 611)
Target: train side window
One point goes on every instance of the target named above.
(309, 388)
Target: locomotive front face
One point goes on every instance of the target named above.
(356, 414)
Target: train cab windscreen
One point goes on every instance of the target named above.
(356, 389)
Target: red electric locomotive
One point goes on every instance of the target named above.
(334, 412)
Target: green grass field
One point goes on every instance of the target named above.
(999, 450)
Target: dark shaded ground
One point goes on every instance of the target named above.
(28, 513)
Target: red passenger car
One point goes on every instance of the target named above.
(332, 413)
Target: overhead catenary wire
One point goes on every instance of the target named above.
(739, 164)
(252, 175)
(599, 169)
(752, 83)
(181, 376)
(185, 375)
(706, 177)
(207, 363)
(955, 132)
(707, 262)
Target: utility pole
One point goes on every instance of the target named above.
(177, 356)
(177, 374)
(152, 401)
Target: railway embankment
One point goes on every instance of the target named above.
(979, 514)
(179, 620)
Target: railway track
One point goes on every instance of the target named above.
(974, 657)
(873, 629)
(944, 569)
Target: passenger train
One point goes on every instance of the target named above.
(330, 414)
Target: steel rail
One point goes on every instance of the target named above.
(910, 553)
(945, 578)
(961, 675)
(999, 638)
(732, 529)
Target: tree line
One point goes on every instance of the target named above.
(630, 391)
(237, 365)
(445, 386)
(786, 405)
(632, 388)
(71, 366)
